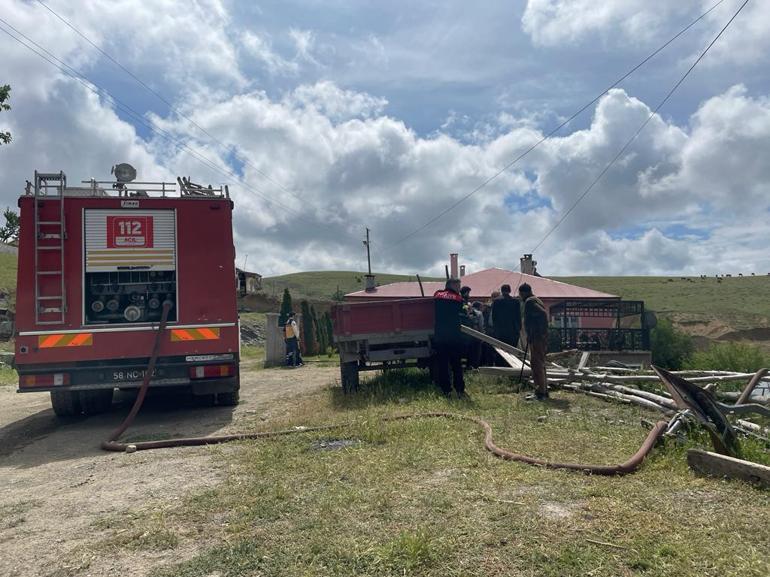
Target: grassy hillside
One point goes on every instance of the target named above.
(7, 272)
(740, 303)
(322, 285)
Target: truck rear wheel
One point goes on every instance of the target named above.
(95, 402)
(349, 377)
(65, 403)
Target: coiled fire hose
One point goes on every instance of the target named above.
(112, 443)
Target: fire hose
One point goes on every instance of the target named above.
(113, 443)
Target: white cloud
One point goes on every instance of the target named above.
(262, 51)
(335, 102)
(554, 22)
(623, 23)
(690, 195)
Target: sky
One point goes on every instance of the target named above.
(325, 118)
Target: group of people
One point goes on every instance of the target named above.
(503, 319)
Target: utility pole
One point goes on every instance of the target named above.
(368, 252)
(245, 261)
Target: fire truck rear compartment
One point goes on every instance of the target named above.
(98, 264)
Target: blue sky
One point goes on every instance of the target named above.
(382, 114)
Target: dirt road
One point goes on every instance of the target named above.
(57, 487)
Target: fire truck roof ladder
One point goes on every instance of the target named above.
(50, 234)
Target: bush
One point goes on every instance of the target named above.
(741, 357)
(670, 348)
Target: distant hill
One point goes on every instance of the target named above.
(8, 271)
(734, 308)
(323, 285)
(734, 304)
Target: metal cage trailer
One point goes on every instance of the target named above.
(376, 335)
(97, 265)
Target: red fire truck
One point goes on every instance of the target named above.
(97, 265)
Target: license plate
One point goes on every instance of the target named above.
(130, 374)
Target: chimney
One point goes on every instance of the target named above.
(453, 269)
(462, 270)
(528, 266)
(371, 285)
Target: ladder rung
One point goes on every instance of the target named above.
(49, 272)
(49, 222)
(50, 298)
(61, 322)
(49, 236)
(48, 310)
(58, 247)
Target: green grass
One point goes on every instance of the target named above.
(741, 303)
(8, 376)
(322, 285)
(8, 272)
(422, 497)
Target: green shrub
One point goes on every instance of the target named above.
(670, 348)
(741, 357)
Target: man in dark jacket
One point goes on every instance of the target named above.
(506, 319)
(536, 329)
(447, 337)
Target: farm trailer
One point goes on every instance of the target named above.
(98, 264)
(382, 334)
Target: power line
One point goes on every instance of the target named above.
(100, 91)
(171, 107)
(555, 130)
(639, 130)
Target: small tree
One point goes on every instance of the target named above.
(10, 231)
(320, 333)
(670, 348)
(338, 295)
(308, 330)
(329, 329)
(285, 307)
(5, 94)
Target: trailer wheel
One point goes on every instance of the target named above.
(65, 403)
(349, 377)
(95, 402)
(230, 399)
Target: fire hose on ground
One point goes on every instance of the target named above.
(113, 443)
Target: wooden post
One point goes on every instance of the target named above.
(716, 465)
(275, 347)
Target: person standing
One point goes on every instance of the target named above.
(536, 329)
(506, 319)
(291, 337)
(447, 337)
(475, 349)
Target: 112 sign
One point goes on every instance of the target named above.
(129, 232)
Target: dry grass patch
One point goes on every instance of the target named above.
(422, 497)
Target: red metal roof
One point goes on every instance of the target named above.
(483, 283)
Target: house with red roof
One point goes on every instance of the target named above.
(581, 318)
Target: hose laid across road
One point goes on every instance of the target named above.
(113, 444)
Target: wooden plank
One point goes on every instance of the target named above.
(716, 465)
(584, 360)
(492, 341)
(512, 360)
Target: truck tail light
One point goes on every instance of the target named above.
(212, 371)
(52, 380)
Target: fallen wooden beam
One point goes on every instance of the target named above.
(716, 465)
